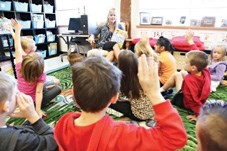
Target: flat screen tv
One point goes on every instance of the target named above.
(75, 24)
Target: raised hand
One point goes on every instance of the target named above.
(189, 37)
(26, 108)
(149, 79)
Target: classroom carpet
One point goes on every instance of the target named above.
(58, 107)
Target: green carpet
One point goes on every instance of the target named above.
(56, 110)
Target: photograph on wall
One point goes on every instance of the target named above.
(208, 21)
(156, 20)
(145, 18)
(224, 23)
(195, 22)
(182, 19)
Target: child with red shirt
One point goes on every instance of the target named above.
(194, 82)
(96, 84)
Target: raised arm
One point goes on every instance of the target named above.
(169, 132)
(189, 37)
(17, 41)
(149, 79)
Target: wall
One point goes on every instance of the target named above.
(189, 8)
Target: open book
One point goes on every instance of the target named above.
(119, 37)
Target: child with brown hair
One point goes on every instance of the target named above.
(134, 104)
(35, 136)
(143, 47)
(74, 57)
(50, 84)
(96, 83)
(218, 66)
(30, 71)
(194, 82)
(211, 127)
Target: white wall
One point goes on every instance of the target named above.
(173, 10)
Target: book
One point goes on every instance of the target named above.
(119, 37)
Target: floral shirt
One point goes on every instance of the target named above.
(141, 108)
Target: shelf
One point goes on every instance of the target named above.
(183, 27)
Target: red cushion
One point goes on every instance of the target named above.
(181, 41)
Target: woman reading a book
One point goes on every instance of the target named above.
(105, 33)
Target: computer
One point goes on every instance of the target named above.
(75, 25)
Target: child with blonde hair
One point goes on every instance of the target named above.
(37, 135)
(143, 47)
(218, 66)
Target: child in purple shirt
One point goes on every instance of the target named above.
(218, 66)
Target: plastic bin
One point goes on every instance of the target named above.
(25, 24)
(50, 24)
(21, 7)
(42, 53)
(52, 49)
(38, 24)
(6, 6)
(39, 38)
(7, 67)
(48, 8)
(51, 38)
(36, 8)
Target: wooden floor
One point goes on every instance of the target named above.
(55, 63)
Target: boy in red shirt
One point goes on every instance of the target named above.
(194, 82)
(96, 84)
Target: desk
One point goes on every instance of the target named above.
(67, 36)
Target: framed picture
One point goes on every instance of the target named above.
(156, 20)
(145, 18)
(208, 21)
(195, 22)
(182, 19)
(224, 23)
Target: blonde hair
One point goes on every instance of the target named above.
(28, 44)
(223, 50)
(7, 85)
(32, 67)
(111, 11)
(140, 48)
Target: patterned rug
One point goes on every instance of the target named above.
(58, 107)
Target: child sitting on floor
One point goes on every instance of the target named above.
(134, 104)
(211, 127)
(194, 82)
(51, 85)
(218, 66)
(143, 47)
(35, 136)
(96, 83)
(167, 62)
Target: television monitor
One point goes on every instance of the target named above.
(75, 24)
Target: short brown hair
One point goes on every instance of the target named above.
(198, 58)
(32, 67)
(95, 81)
(74, 58)
(212, 125)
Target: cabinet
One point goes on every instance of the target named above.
(38, 20)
